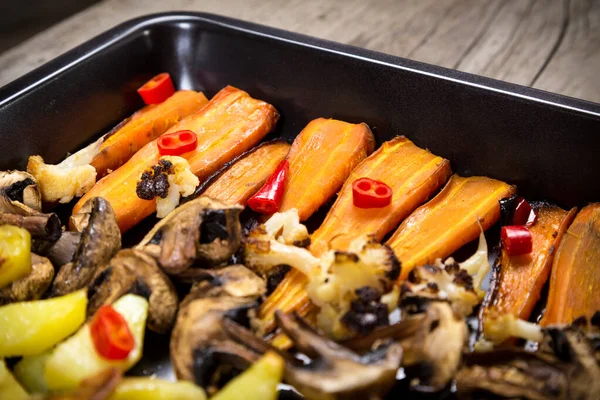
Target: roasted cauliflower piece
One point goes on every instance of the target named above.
(73, 177)
(346, 286)
(167, 181)
(497, 328)
(279, 241)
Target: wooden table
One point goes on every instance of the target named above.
(552, 45)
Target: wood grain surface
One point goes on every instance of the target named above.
(552, 45)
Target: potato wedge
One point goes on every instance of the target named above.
(15, 258)
(32, 327)
(156, 389)
(259, 382)
(76, 358)
(9, 387)
(30, 372)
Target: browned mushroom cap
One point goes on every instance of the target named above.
(32, 286)
(100, 240)
(21, 205)
(131, 271)
(204, 230)
(565, 367)
(61, 251)
(199, 346)
(436, 347)
(19, 193)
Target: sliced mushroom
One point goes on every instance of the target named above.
(19, 193)
(61, 251)
(334, 372)
(32, 286)
(40, 226)
(204, 231)
(564, 368)
(21, 205)
(131, 271)
(199, 346)
(100, 241)
(434, 351)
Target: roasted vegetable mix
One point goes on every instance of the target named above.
(325, 266)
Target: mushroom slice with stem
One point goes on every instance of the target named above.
(61, 251)
(21, 205)
(100, 240)
(19, 193)
(203, 230)
(32, 286)
(432, 355)
(131, 271)
(334, 371)
(199, 347)
(565, 367)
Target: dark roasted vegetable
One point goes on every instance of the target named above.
(131, 271)
(100, 240)
(203, 231)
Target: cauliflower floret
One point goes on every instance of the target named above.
(499, 327)
(458, 283)
(74, 176)
(276, 242)
(347, 286)
(182, 182)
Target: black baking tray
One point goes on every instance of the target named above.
(546, 144)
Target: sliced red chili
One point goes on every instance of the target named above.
(268, 199)
(516, 240)
(111, 335)
(157, 89)
(177, 143)
(524, 214)
(369, 193)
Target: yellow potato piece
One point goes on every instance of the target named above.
(156, 389)
(259, 382)
(15, 256)
(30, 372)
(9, 387)
(76, 358)
(32, 327)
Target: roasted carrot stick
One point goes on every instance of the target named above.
(125, 139)
(321, 158)
(412, 173)
(231, 123)
(575, 280)
(238, 182)
(520, 279)
(448, 221)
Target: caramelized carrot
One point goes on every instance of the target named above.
(521, 278)
(412, 173)
(321, 158)
(238, 182)
(575, 279)
(125, 139)
(447, 222)
(230, 124)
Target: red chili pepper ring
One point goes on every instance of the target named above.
(177, 143)
(157, 89)
(110, 334)
(369, 193)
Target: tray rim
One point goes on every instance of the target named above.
(46, 72)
